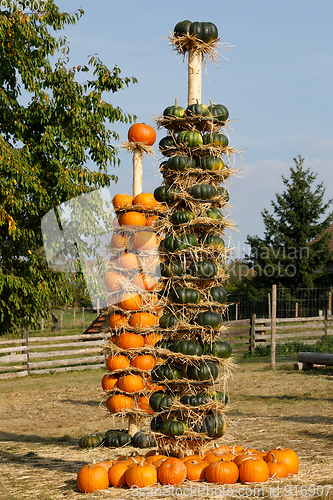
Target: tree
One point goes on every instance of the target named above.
(295, 247)
(52, 127)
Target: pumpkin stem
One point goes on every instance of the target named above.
(274, 458)
(142, 462)
(210, 102)
(176, 102)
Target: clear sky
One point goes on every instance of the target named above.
(277, 83)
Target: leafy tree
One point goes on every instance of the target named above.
(51, 128)
(295, 247)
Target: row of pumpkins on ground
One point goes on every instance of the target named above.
(223, 465)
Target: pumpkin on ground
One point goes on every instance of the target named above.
(117, 473)
(91, 440)
(172, 471)
(222, 472)
(196, 469)
(140, 132)
(117, 439)
(141, 475)
(92, 478)
(143, 440)
(286, 456)
(253, 470)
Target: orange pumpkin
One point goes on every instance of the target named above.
(146, 200)
(213, 457)
(141, 475)
(152, 338)
(130, 383)
(145, 282)
(130, 301)
(221, 472)
(113, 281)
(140, 132)
(106, 464)
(144, 240)
(277, 469)
(122, 200)
(196, 469)
(143, 403)
(253, 470)
(172, 471)
(129, 340)
(133, 219)
(143, 320)
(117, 362)
(143, 362)
(119, 402)
(118, 241)
(129, 260)
(117, 319)
(92, 478)
(153, 458)
(117, 473)
(108, 382)
(285, 455)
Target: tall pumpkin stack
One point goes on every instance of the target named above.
(189, 411)
(133, 301)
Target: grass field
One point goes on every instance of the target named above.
(43, 417)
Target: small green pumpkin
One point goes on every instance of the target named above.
(160, 401)
(211, 240)
(172, 268)
(194, 400)
(166, 372)
(181, 242)
(185, 295)
(218, 294)
(182, 28)
(189, 138)
(118, 440)
(187, 347)
(210, 163)
(218, 112)
(181, 163)
(182, 217)
(215, 139)
(173, 428)
(196, 110)
(203, 191)
(166, 142)
(205, 31)
(170, 320)
(214, 425)
(219, 348)
(166, 193)
(209, 319)
(204, 371)
(92, 440)
(156, 423)
(203, 269)
(174, 111)
(221, 191)
(214, 213)
(218, 396)
(143, 440)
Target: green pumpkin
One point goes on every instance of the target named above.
(182, 28)
(218, 396)
(182, 242)
(203, 269)
(162, 344)
(166, 372)
(207, 32)
(143, 440)
(189, 138)
(214, 425)
(160, 401)
(211, 240)
(221, 191)
(173, 428)
(202, 372)
(218, 112)
(218, 294)
(180, 163)
(196, 110)
(185, 295)
(175, 111)
(166, 193)
(169, 321)
(156, 423)
(210, 163)
(209, 319)
(92, 440)
(194, 400)
(203, 191)
(216, 139)
(172, 268)
(219, 348)
(214, 213)
(182, 217)
(166, 142)
(187, 347)
(118, 440)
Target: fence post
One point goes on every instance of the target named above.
(74, 312)
(82, 316)
(252, 334)
(296, 310)
(97, 306)
(273, 326)
(25, 342)
(269, 306)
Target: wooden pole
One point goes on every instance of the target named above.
(25, 342)
(74, 313)
(137, 172)
(253, 330)
(194, 76)
(269, 306)
(273, 326)
(296, 310)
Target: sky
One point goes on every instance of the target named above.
(275, 78)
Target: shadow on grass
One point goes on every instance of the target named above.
(81, 402)
(281, 398)
(31, 438)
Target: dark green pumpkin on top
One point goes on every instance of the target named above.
(210, 163)
(181, 242)
(215, 139)
(166, 372)
(202, 269)
(219, 348)
(194, 400)
(208, 319)
(189, 138)
(203, 191)
(173, 428)
(219, 112)
(182, 28)
(92, 440)
(214, 213)
(218, 294)
(180, 163)
(142, 439)
(117, 439)
(175, 111)
(203, 371)
(205, 31)
(182, 217)
(185, 295)
(197, 110)
(188, 347)
(160, 401)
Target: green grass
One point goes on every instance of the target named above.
(324, 345)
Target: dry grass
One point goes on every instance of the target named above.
(43, 417)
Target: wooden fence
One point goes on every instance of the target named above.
(33, 355)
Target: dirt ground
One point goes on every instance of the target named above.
(43, 417)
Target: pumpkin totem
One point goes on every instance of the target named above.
(133, 302)
(189, 410)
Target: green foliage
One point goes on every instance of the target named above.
(51, 127)
(295, 247)
(324, 345)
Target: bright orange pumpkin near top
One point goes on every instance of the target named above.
(144, 240)
(133, 219)
(146, 200)
(121, 200)
(140, 132)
